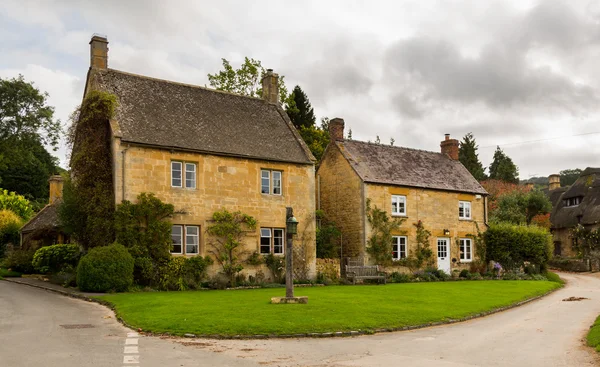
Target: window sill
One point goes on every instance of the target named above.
(400, 215)
(466, 219)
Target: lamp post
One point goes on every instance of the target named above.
(291, 225)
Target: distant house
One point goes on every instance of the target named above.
(204, 150)
(431, 187)
(573, 205)
(44, 228)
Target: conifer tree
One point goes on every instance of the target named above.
(300, 111)
(467, 155)
(503, 168)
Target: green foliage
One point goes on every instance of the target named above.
(397, 277)
(503, 168)
(569, 176)
(586, 240)
(316, 138)
(254, 259)
(519, 207)
(104, 269)
(19, 260)
(467, 155)
(276, 265)
(89, 213)
(423, 255)
(181, 273)
(379, 244)
(247, 80)
(512, 245)
(9, 273)
(10, 223)
(464, 274)
(53, 259)
(228, 231)
(300, 111)
(328, 235)
(16, 204)
(593, 337)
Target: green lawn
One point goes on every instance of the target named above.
(5, 273)
(593, 337)
(333, 308)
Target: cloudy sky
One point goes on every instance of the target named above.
(520, 74)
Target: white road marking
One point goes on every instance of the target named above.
(131, 349)
(133, 335)
(131, 341)
(131, 359)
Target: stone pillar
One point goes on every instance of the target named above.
(289, 260)
(553, 182)
(270, 87)
(99, 52)
(450, 147)
(56, 188)
(336, 129)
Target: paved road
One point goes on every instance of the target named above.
(547, 332)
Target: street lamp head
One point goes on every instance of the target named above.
(292, 225)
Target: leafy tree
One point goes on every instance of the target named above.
(497, 188)
(328, 236)
(569, 176)
(16, 204)
(503, 168)
(521, 207)
(247, 80)
(316, 138)
(10, 223)
(379, 244)
(300, 111)
(228, 231)
(467, 155)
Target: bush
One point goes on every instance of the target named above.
(397, 277)
(182, 273)
(553, 277)
(10, 223)
(53, 259)
(512, 245)
(16, 204)
(20, 261)
(103, 269)
(276, 265)
(464, 274)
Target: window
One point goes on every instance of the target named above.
(464, 210)
(189, 241)
(398, 247)
(398, 205)
(466, 250)
(271, 241)
(270, 182)
(573, 201)
(179, 177)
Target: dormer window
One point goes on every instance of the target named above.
(573, 201)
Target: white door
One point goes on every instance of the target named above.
(443, 254)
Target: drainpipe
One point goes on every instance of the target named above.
(124, 151)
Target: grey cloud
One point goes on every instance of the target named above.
(407, 106)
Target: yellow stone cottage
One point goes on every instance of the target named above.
(204, 150)
(434, 188)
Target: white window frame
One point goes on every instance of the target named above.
(466, 207)
(574, 201)
(396, 241)
(399, 199)
(183, 169)
(272, 236)
(465, 243)
(183, 237)
(270, 176)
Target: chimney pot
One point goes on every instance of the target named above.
(450, 147)
(447, 136)
(270, 86)
(99, 52)
(553, 182)
(336, 129)
(56, 188)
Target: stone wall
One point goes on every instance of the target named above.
(563, 237)
(221, 183)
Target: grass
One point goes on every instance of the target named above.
(334, 308)
(9, 273)
(593, 337)
(553, 277)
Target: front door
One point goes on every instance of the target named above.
(443, 254)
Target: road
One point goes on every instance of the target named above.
(547, 332)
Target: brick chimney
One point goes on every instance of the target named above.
(56, 188)
(336, 129)
(450, 147)
(99, 52)
(270, 87)
(553, 182)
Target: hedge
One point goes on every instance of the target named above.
(52, 259)
(512, 245)
(107, 268)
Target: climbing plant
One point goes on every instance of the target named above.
(379, 244)
(586, 240)
(423, 254)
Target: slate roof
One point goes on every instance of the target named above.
(173, 115)
(384, 164)
(587, 212)
(45, 219)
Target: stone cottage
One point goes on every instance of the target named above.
(573, 205)
(204, 150)
(417, 185)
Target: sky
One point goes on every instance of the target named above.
(520, 74)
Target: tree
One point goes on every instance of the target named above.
(519, 207)
(503, 168)
(569, 176)
(379, 244)
(467, 155)
(245, 81)
(16, 204)
(300, 111)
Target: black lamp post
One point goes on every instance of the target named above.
(291, 229)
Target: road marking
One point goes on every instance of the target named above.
(131, 349)
(131, 341)
(131, 359)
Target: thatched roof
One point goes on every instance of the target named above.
(385, 164)
(172, 115)
(587, 187)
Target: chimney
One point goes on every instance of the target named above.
(450, 147)
(99, 52)
(553, 182)
(336, 129)
(530, 186)
(270, 87)
(56, 188)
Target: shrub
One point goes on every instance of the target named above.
(10, 223)
(464, 273)
(553, 277)
(512, 245)
(254, 259)
(20, 261)
(437, 273)
(397, 277)
(52, 259)
(182, 273)
(16, 204)
(103, 269)
(276, 265)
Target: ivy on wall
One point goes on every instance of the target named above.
(379, 244)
